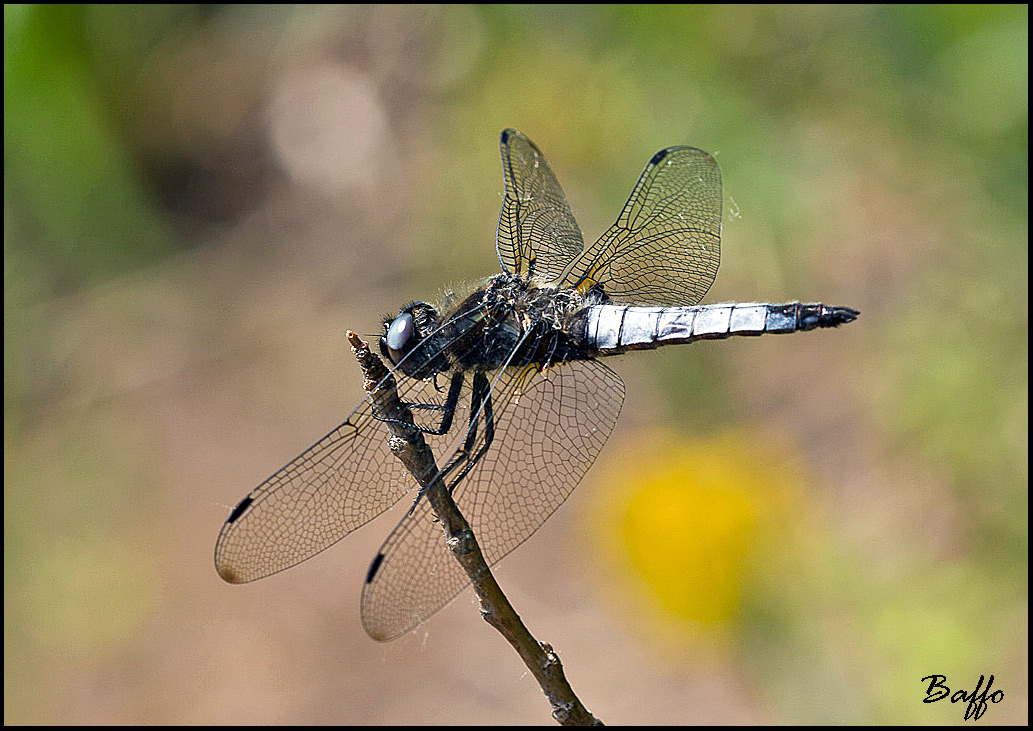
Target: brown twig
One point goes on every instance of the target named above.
(408, 444)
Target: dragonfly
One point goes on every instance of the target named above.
(506, 380)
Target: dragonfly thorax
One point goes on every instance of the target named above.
(513, 321)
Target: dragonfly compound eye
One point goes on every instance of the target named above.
(399, 337)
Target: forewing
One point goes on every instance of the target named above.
(549, 428)
(344, 480)
(665, 247)
(537, 234)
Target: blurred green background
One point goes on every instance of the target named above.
(199, 201)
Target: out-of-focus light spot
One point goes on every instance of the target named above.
(686, 532)
(435, 47)
(684, 521)
(328, 128)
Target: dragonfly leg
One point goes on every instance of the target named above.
(480, 406)
(447, 409)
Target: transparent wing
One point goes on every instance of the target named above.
(341, 482)
(665, 247)
(344, 480)
(549, 427)
(537, 234)
(338, 484)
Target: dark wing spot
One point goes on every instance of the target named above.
(660, 156)
(374, 567)
(241, 508)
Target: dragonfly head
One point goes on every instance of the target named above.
(403, 332)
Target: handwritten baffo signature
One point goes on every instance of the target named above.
(977, 702)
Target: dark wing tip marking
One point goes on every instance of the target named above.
(658, 157)
(240, 509)
(226, 571)
(506, 134)
(655, 160)
(374, 568)
(229, 575)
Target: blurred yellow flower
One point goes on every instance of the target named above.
(686, 522)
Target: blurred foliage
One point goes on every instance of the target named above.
(196, 186)
(81, 203)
